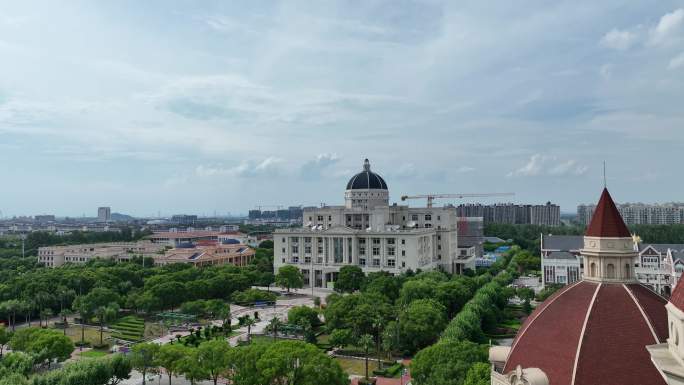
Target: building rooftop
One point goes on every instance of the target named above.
(590, 333)
(562, 242)
(607, 221)
(366, 179)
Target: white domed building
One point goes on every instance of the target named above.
(370, 233)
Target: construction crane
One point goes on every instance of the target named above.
(431, 197)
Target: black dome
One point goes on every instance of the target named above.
(366, 179)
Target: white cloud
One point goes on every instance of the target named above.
(676, 62)
(314, 169)
(667, 27)
(619, 40)
(268, 166)
(539, 164)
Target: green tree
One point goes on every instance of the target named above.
(349, 279)
(169, 358)
(478, 374)
(144, 358)
(10, 308)
(298, 313)
(289, 277)
(453, 295)
(421, 324)
(16, 362)
(366, 343)
(297, 363)
(5, 337)
(247, 321)
(273, 325)
(214, 358)
(417, 289)
(44, 344)
(105, 314)
(192, 368)
(341, 338)
(446, 362)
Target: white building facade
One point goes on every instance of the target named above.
(370, 233)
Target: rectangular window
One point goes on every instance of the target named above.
(428, 217)
(295, 259)
(390, 251)
(362, 250)
(320, 218)
(307, 259)
(391, 262)
(403, 253)
(307, 249)
(376, 251)
(390, 241)
(376, 241)
(295, 249)
(403, 241)
(428, 225)
(320, 249)
(362, 261)
(414, 217)
(362, 241)
(376, 262)
(307, 239)
(338, 250)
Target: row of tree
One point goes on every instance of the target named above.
(279, 362)
(458, 358)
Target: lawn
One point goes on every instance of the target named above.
(93, 354)
(92, 334)
(358, 367)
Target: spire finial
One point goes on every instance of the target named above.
(605, 184)
(366, 165)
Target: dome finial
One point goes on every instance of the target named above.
(366, 165)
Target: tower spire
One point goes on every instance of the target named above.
(605, 184)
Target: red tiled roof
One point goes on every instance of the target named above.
(677, 297)
(607, 221)
(609, 350)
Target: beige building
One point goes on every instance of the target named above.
(232, 254)
(370, 233)
(55, 256)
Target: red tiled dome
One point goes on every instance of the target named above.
(590, 333)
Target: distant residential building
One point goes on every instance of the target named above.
(104, 214)
(640, 213)
(55, 256)
(516, 214)
(184, 220)
(44, 218)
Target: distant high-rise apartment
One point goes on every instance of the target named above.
(515, 214)
(640, 213)
(104, 214)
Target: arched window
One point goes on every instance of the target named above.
(592, 269)
(610, 271)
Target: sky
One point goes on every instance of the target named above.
(200, 107)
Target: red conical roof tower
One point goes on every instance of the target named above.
(607, 221)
